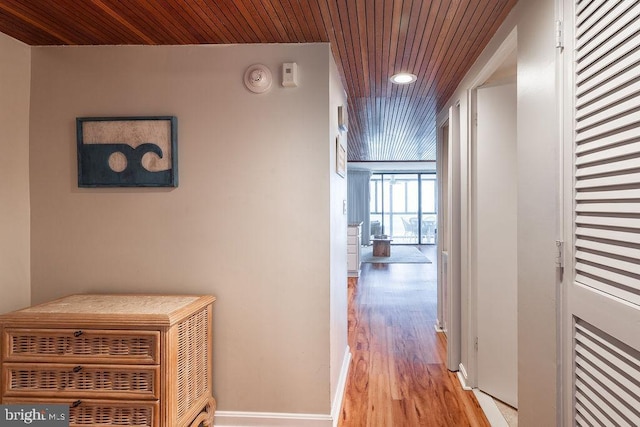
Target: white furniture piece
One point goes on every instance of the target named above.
(354, 232)
(116, 360)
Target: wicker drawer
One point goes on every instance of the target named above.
(129, 360)
(90, 381)
(103, 413)
(81, 346)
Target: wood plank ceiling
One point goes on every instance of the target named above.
(437, 40)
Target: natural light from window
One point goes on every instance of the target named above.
(403, 206)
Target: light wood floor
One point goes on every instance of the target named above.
(397, 376)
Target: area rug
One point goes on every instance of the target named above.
(399, 255)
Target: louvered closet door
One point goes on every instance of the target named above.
(602, 316)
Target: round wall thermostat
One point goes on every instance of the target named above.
(258, 78)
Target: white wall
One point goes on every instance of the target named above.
(251, 221)
(538, 169)
(537, 206)
(15, 74)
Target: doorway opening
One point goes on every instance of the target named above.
(404, 207)
(493, 232)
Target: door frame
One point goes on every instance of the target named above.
(450, 125)
(443, 144)
(564, 81)
(468, 239)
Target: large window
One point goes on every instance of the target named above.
(403, 206)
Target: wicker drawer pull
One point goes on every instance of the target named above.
(75, 404)
(77, 333)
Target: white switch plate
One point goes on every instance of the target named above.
(289, 74)
(344, 207)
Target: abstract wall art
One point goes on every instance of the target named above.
(127, 151)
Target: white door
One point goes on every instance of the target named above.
(496, 241)
(601, 313)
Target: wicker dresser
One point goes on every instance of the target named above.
(117, 360)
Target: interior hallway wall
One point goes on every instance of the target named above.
(538, 183)
(338, 263)
(249, 223)
(15, 240)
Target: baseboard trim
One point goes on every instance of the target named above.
(281, 419)
(270, 419)
(490, 409)
(336, 408)
(463, 377)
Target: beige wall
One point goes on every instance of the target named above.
(15, 74)
(538, 163)
(338, 233)
(249, 223)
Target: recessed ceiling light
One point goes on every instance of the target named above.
(403, 78)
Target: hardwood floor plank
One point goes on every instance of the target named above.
(379, 396)
(398, 376)
(392, 365)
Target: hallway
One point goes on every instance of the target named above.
(397, 375)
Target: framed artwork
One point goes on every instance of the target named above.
(343, 118)
(127, 151)
(341, 158)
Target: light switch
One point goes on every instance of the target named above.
(344, 207)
